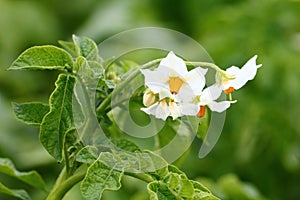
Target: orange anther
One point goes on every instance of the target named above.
(201, 112)
(229, 90)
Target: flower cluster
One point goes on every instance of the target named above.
(174, 91)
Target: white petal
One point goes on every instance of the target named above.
(175, 63)
(156, 80)
(218, 106)
(174, 110)
(232, 83)
(162, 111)
(164, 93)
(190, 109)
(185, 94)
(151, 110)
(211, 93)
(196, 79)
(246, 73)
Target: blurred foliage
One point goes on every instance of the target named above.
(260, 143)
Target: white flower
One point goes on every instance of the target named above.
(172, 79)
(207, 98)
(174, 84)
(162, 110)
(241, 76)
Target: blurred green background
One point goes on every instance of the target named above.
(259, 149)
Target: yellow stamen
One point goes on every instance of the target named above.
(175, 84)
(201, 112)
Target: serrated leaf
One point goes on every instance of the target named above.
(160, 191)
(30, 113)
(43, 57)
(86, 47)
(60, 117)
(31, 178)
(99, 178)
(88, 154)
(21, 194)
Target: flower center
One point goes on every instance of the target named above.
(229, 90)
(175, 84)
(201, 112)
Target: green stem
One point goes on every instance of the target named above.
(62, 185)
(204, 64)
(107, 100)
(213, 66)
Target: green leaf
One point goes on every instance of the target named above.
(86, 47)
(99, 178)
(21, 194)
(160, 191)
(200, 195)
(31, 113)
(88, 155)
(32, 178)
(126, 145)
(198, 186)
(186, 188)
(72, 145)
(60, 117)
(43, 57)
(69, 46)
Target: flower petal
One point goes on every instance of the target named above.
(156, 80)
(151, 110)
(196, 79)
(175, 63)
(174, 110)
(211, 93)
(246, 73)
(219, 106)
(162, 111)
(159, 110)
(185, 94)
(189, 109)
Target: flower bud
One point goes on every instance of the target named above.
(149, 98)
